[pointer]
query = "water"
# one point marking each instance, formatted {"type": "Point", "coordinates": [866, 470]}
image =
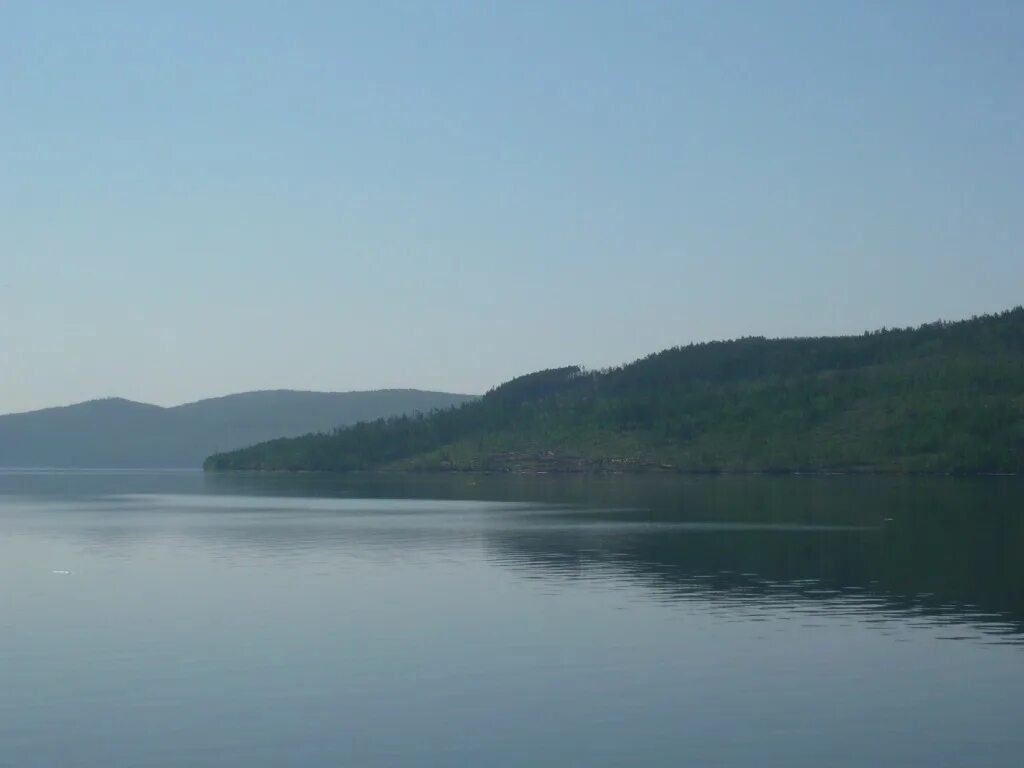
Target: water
{"type": "Point", "coordinates": [172, 619]}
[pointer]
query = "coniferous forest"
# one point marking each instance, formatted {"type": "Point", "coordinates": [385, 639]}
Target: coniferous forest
{"type": "Point", "coordinates": [946, 397]}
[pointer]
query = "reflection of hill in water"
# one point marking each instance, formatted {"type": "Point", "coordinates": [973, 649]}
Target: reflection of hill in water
{"type": "Point", "coordinates": [841, 571]}
{"type": "Point", "coordinates": [943, 548]}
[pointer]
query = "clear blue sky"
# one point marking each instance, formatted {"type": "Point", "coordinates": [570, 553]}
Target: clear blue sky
{"type": "Point", "coordinates": [198, 198]}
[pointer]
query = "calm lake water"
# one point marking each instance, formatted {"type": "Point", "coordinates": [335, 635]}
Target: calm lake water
{"type": "Point", "coordinates": [175, 619]}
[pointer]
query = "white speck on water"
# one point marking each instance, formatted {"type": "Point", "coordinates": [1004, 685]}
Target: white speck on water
{"type": "Point", "coordinates": [62, 573]}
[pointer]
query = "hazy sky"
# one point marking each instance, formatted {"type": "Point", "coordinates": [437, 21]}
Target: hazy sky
{"type": "Point", "coordinates": [204, 197]}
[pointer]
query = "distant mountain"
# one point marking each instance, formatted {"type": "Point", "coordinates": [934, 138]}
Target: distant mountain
{"type": "Point", "coordinates": [120, 433]}
{"type": "Point", "coordinates": [944, 397]}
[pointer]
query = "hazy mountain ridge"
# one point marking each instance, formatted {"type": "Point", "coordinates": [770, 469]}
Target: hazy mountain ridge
{"type": "Point", "coordinates": [942, 397]}
{"type": "Point", "coordinates": [115, 432]}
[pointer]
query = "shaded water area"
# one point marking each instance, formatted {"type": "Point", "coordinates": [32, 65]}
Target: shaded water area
{"type": "Point", "coordinates": [182, 619]}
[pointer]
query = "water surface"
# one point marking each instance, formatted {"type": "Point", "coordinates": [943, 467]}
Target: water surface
{"type": "Point", "coordinates": [177, 619]}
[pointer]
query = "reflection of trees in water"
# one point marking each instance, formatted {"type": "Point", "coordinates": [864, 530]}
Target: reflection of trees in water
{"type": "Point", "coordinates": [947, 549]}
{"type": "Point", "coordinates": [935, 546]}
{"type": "Point", "coordinates": [863, 571]}
{"type": "Point", "coordinates": [942, 547]}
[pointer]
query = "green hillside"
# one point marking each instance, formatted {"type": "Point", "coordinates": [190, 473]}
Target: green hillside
{"type": "Point", "coordinates": [944, 397]}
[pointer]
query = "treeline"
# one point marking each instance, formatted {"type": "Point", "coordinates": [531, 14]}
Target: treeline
{"type": "Point", "coordinates": [944, 397]}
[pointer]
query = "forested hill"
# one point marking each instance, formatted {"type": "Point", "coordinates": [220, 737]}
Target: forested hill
{"type": "Point", "coordinates": [944, 397]}
{"type": "Point", "coordinates": [114, 432]}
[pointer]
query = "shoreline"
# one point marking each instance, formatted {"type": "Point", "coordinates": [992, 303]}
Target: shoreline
{"type": "Point", "coordinates": [658, 472]}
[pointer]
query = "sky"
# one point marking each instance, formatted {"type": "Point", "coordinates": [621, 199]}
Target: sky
{"type": "Point", "coordinates": [199, 198]}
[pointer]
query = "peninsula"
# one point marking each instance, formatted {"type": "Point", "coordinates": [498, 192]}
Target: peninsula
{"type": "Point", "coordinates": [945, 397]}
